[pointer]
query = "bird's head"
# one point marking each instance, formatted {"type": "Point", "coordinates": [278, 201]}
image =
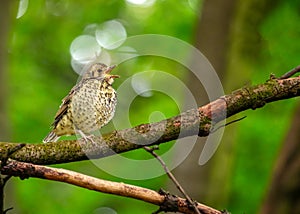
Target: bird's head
{"type": "Point", "coordinates": [100, 70]}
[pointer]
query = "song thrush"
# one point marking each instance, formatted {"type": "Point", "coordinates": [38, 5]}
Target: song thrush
{"type": "Point", "coordinates": [89, 105]}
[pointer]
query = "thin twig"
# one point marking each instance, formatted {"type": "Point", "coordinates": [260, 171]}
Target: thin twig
{"type": "Point", "coordinates": [8, 209]}
{"type": "Point", "coordinates": [3, 181]}
{"type": "Point", "coordinates": [290, 73]}
{"type": "Point", "coordinates": [6, 153]}
{"type": "Point", "coordinates": [171, 176]}
{"type": "Point", "coordinates": [231, 122]}
{"type": "Point", "coordinates": [2, 196]}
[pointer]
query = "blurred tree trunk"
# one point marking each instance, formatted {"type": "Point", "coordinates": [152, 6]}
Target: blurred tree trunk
{"type": "Point", "coordinates": [212, 39]}
{"type": "Point", "coordinates": [5, 22]}
{"type": "Point", "coordinates": [227, 33]}
{"type": "Point", "coordinates": [213, 32]}
{"type": "Point", "coordinates": [284, 191]}
{"type": "Point", "coordinates": [4, 32]}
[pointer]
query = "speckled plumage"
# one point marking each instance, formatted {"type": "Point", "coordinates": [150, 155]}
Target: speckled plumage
{"type": "Point", "coordinates": [90, 104]}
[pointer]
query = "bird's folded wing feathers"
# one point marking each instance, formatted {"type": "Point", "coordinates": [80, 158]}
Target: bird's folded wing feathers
{"type": "Point", "coordinates": [63, 108]}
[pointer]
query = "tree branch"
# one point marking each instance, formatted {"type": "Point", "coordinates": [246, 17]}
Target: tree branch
{"type": "Point", "coordinates": [195, 121]}
{"type": "Point", "coordinates": [172, 177]}
{"type": "Point", "coordinates": [201, 121]}
{"type": "Point", "coordinates": [165, 201]}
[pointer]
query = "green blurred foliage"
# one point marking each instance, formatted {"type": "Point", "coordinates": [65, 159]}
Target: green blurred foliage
{"type": "Point", "coordinates": [40, 76]}
{"type": "Point", "coordinates": [259, 137]}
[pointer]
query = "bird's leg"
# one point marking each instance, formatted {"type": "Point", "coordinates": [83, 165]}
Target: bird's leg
{"type": "Point", "coordinates": [87, 137]}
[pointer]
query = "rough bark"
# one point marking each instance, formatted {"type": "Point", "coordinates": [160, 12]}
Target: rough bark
{"type": "Point", "coordinates": [193, 122]}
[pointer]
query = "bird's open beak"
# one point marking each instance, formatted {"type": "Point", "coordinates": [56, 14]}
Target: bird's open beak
{"type": "Point", "coordinates": [109, 70]}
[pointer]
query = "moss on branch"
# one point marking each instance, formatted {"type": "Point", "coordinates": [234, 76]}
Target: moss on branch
{"type": "Point", "coordinates": [193, 122]}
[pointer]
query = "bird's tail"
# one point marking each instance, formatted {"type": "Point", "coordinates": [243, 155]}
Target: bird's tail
{"type": "Point", "coordinates": [51, 137]}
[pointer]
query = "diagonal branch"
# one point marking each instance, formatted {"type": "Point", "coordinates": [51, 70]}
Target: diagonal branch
{"type": "Point", "coordinates": [172, 177]}
{"type": "Point", "coordinates": [193, 122]}
{"type": "Point", "coordinates": [165, 201]}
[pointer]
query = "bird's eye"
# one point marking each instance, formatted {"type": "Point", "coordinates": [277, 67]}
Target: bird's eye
{"type": "Point", "coordinates": [99, 70]}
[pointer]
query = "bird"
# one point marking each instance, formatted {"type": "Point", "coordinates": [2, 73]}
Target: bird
{"type": "Point", "coordinates": [90, 104]}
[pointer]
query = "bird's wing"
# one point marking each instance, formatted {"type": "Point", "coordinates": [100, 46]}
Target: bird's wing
{"type": "Point", "coordinates": [63, 108]}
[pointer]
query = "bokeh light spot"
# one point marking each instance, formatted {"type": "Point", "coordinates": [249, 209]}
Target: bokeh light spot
{"type": "Point", "coordinates": [111, 34]}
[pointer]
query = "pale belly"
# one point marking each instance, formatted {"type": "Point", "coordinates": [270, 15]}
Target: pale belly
{"type": "Point", "coordinates": [93, 107]}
